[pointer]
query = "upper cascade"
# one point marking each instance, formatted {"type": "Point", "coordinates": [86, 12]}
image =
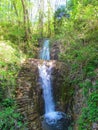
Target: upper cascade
{"type": "Point", "coordinates": [45, 52]}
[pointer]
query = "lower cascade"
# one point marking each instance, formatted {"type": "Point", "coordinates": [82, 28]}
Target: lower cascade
{"type": "Point", "coordinates": [52, 119]}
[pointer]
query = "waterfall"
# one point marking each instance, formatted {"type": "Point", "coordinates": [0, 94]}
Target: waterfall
{"type": "Point", "coordinates": [45, 52]}
{"type": "Point", "coordinates": [45, 75]}
{"type": "Point", "coordinates": [53, 120]}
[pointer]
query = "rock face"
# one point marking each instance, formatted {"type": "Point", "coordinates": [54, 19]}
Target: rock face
{"type": "Point", "coordinates": [54, 51]}
{"type": "Point", "coordinates": [58, 77]}
{"type": "Point", "coordinates": [29, 93]}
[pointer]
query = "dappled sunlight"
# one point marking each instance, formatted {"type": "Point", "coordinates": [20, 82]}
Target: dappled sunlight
{"type": "Point", "coordinates": [6, 52]}
{"type": "Point", "coordinates": [9, 54]}
{"type": "Point", "coordinates": [40, 85]}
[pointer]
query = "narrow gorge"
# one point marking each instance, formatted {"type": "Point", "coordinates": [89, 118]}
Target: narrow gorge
{"type": "Point", "coordinates": [53, 120]}
{"type": "Point", "coordinates": [46, 98]}
{"type": "Point", "coordinates": [48, 64]}
{"type": "Point", "coordinates": [38, 92]}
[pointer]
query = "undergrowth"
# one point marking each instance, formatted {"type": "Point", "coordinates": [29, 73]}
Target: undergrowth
{"type": "Point", "coordinates": [10, 63]}
{"type": "Point", "coordinates": [79, 38]}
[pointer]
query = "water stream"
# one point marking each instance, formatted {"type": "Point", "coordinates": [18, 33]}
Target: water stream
{"type": "Point", "coordinates": [53, 120]}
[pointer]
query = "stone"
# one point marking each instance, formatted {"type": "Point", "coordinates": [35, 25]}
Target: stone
{"type": "Point", "coordinates": [29, 92]}
{"type": "Point", "coordinates": [54, 51]}
{"type": "Point", "coordinates": [95, 126]}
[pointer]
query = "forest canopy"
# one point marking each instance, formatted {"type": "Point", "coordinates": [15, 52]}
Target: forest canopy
{"type": "Point", "coordinates": [73, 24]}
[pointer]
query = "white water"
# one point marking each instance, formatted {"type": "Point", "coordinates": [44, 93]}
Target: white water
{"type": "Point", "coordinates": [53, 120]}
{"type": "Point", "coordinates": [45, 76]}
{"type": "Point", "coordinates": [45, 52]}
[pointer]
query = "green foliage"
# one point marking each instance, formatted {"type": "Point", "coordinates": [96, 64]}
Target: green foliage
{"type": "Point", "coordinates": [15, 25]}
{"type": "Point", "coordinates": [11, 57]}
{"type": "Point", "coordinates": [11, 11]}
{"type": "Point", "coordinates": [13, 32]}
{"type": "Point", "coordinates": [14, 35]}
{"type": "Point", "coordinates": [90, 113]}
{"type": "Point", "coordinates": [79, 38]}
{"type": "Point", "coordinates": [9, 117]}
{"type": "Point", "coordinates": [8, 102]}
{"type": "Point", "coordinates": [60, 12]}
{"type": "Point", "coordinates": [10, 60]}
{"type": "Point", "coordinates": [79, 49]}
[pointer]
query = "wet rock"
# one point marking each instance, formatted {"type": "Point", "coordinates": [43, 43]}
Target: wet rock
{"type": "Point", "coordinates": [29, 93]}
{"type": "Point", "coordinates": [95, 126]}
{"type": "Point", "coordinates": [55, 50]}
{"type": "Point", "coordinates": [55, 121]}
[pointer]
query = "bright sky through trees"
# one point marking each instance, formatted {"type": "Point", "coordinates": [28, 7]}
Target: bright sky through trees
{"type": "Point", "coordinates": [35, 5]}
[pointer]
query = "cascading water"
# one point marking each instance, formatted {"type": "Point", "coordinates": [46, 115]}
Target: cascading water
{"type": "Point", "coordinates": [45, 74]}
{"type": "Point", "coordinates": [53, 120]}
{"type": "Point", "coordinates": [45, 52]}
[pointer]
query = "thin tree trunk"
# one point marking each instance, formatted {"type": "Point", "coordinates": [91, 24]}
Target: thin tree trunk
{"type": "Point", "coordinates": [16, 11]}
{"type": "Point", "coordinates": [41, 13]}
{"type": "Point", "coordinates": [26, 20]}
{"type": "Point", "coordinates": [49, 18]}
{"type": "Point", "coordinates": [14, 5]}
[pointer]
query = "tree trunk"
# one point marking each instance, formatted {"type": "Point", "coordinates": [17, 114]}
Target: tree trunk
{"type": "Point", "coordinates": [16, 11]}
{"type": "Point", "coordinates": [26, 20]}
{"type": "Point", "coordinates": [41, 16]}
{"type": "Point", "coordinates": [14, 5]}
{"type": "Point", "coordinates": [49, 17]}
